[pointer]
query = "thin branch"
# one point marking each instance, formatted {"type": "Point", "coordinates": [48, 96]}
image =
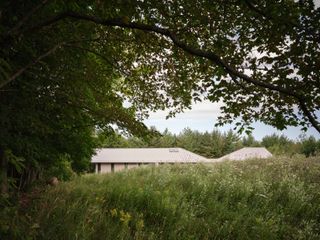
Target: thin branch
{"type": "Point", "coordinates": [257, 68]}
{"type": "Point", "coordinates": [39, 58]}
{"type": "Point", "coordinates": [34, 61]}
{"type": "Point", "coordinates": [114, 64]}
{"type": "Point", "coordinates": [241, 85]}
{"type": "Point", "coordinates": [9, 90]}
{"type": "Point", "coordinates": [255, 9]}
{"type": "Point", "coordinates": [26, 18]}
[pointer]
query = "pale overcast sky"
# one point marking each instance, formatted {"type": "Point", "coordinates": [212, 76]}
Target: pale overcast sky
{"type": "Point", "coordinates": [204, 115]}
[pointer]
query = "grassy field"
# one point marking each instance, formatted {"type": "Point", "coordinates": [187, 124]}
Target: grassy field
{"type": "Point", "coordinates": [277, 198]}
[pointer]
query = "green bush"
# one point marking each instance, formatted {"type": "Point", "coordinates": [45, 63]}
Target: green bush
{"type": "Point", "coordinates": [310, 146]}
{"type": "Point", "coordinates": [61, 168]}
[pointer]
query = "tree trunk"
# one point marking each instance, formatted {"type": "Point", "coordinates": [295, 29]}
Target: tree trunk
{"type": "Point", "coordinates": [3, 172]}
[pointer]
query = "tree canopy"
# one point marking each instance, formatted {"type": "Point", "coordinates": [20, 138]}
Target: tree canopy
{"type": "Point", "coordinates": [260, 58]}
{"type": "Point", "coordinates": [214, 144]}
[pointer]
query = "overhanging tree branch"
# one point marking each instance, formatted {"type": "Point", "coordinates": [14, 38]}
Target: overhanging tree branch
{"type": "Point", "coordinates": [213, 57]}
{"type": "Point", "coordinates": [122, 22]}
{"type": "Point", "coordinates": [308, 114]}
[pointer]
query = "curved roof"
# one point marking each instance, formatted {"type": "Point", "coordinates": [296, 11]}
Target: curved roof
{"type": "Point", "coordinates": [247, 153]}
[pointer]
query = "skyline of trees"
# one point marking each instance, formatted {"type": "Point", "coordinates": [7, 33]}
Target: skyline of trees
{"type": "Point", "coordinates": [215, 143]}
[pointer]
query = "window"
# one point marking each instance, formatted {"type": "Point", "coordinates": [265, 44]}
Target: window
{"type": "Point", "coordinates": [173, 150]}
{"type": "Point", "coordinates": [112, 167]}
{"type": "Point", "coordinates": [126, 165]}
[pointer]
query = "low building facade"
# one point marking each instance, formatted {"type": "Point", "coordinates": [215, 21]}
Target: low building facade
{"type": "Point", "coordinates": [109, 160]}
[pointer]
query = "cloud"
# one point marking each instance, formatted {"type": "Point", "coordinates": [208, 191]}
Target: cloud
{"type": "Point", "coordinates": [203, 116]}
{"type": "Point", "coordinates": [200, 110]}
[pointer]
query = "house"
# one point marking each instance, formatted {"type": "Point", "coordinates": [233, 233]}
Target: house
{"type": "Point", "coordinates": [116, 159]}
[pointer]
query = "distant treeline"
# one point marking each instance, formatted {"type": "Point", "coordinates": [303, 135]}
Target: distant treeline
{"type": "Point", "coordinates": [215, 143]}
{"type": "Point", "coordinates": [25, 168]}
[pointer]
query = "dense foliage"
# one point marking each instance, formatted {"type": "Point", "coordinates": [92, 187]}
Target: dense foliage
{"type": "Point", "coordinates": [260, 58]}
{"type": "Point", "coordinates": [215, 144]}
{"type": "Point", "coordinates": [49, 114]}
{"type": "Point", "coordinates": [209, 144]}
{"type": "Point", "coordinates": [258, 199]}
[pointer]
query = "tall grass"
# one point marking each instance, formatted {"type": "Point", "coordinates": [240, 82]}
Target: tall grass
{"type": "Point", "coordinates": [257, 199]}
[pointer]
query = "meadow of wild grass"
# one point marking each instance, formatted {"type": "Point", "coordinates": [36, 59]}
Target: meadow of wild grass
{"type": "Point", "coordinates": [278, 198]}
